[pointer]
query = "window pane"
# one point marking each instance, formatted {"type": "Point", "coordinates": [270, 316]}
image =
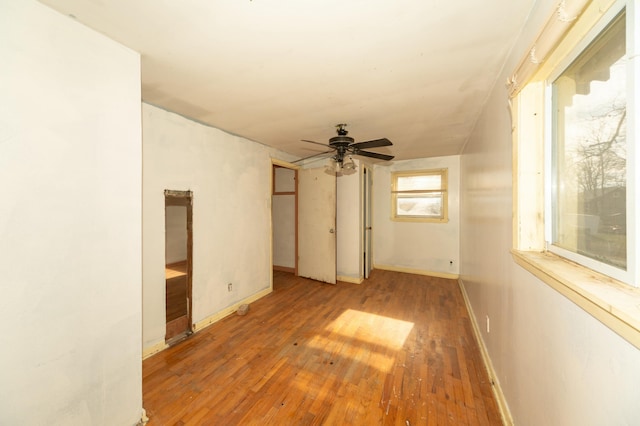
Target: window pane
{"type": "Point", "coordinates": [420, 182]}
{"type": "Point", "coordinates": [422, 205]}
{"type": "Point", "coordinates": [590, 151]}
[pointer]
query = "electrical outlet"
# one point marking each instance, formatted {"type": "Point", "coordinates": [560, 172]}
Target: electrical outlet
{"type": "Point", "coordinates": [230, 287]}
{"type": "Point", "coordinates": [488, 325]}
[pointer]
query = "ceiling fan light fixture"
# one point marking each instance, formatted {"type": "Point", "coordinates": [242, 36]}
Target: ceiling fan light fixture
{"type": "Point", "coordinates": [334, 166]}
{"type": "Point", "coordinates": [349, 166]}
{"type": "Point", "coordinates": [344, 148]}
{"type": "Point", "coordinates": [337, 165]}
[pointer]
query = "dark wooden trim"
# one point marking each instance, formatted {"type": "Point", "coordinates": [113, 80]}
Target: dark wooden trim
{"type": "Point", "coordinates": [190, 266]}
{"type": "Point", "coordinates": [273, 179]}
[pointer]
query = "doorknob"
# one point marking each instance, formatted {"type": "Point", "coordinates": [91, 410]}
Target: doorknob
{"type": "Point", "coordinates": [331, 231]}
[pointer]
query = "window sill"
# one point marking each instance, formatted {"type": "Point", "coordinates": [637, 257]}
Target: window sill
{"type": "Point", "coordinates": [418, 219]}
{"type": "Point", "coordinates": [613, 303]}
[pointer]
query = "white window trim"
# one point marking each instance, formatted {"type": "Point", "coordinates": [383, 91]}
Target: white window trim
{"type": "Point", "coordinates": [614, 303]}
{"type": "Point", "coordinates": [443, 189]}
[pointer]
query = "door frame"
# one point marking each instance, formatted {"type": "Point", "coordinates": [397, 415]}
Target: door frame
{"type": "Point", "coordinates": [184, 198]}
{"type": "Point", "coordinates": [285, 165]}
{"type": "Point", "coordinates": [367, 220]}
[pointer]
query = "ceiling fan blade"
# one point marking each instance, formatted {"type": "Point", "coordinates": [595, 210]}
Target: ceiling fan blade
{"type": "Point", "coordinates": [372, 144]}
{"type": "Point", "coordinates": [318, 158]}
{"type": "Point", "coordinates": [320, 154]}
{"type": "Point", "coordinates": [317, 143]}
{"type": "Point", "coordinates": [374, 155]}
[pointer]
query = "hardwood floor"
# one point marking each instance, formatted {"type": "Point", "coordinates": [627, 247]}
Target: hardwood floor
{"type": "Point", "coordinates": [176, 298]}
{"type": "Point", "coordinates": [176, 290]}
{"type": "Point", "coordinates": [395, 350]}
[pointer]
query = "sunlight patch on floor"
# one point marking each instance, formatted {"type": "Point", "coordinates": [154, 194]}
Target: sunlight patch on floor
{"type": "Point", "coordinates": [363, 337]}
{"type": "Point", "coordinates": [372, 328]}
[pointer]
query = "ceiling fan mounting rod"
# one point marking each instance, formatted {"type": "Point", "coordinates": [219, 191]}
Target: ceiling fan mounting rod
{"type": "Point", "coordinates": [341, 129]}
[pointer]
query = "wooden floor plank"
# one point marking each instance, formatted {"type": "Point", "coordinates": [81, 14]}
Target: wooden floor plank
{"type": "Point", "coordinates": [394, 350]}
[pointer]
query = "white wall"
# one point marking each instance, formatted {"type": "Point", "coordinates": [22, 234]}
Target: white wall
{"type": "Point", "coordinates": [231, 182]}
{"type": "Point", "coordinates": [70, 231]}
{"type": "Point", "coordinates": [555, 363]}
{"type": "Point", "coordinates": [175, 234]}
{"type": "Point", "coordinates": [416, 246]}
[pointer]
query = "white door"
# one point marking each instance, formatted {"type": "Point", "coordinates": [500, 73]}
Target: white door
{"type": "Point", "coordinates": [317, 225]}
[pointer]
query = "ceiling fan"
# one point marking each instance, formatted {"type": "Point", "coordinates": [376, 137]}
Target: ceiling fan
{"type": "Point", "coordinates": [344, 145]}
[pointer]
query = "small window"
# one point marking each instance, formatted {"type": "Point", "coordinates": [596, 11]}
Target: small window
{"type": "Point", "coordinates": [420, 196]}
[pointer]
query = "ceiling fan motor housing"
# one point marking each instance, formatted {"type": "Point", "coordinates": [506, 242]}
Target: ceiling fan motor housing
{"type": "Point", "coordinates": [341, 141]}
{"type": "Point", "coordinates": [341, 144]}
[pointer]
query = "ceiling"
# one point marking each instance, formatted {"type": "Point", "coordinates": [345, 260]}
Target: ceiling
{"type": "Point", "coordinates": [276, 71]}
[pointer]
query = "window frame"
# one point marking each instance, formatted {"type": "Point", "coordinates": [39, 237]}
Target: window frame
{"type": "Point", "coordinates": [624, 275]}
{"type": "Point", "coordinates": [610, 301]}
{"type": "Point", "coordinates": [443, 190]}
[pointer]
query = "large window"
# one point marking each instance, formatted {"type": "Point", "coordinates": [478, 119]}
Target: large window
{"type": "Point", "coordinates": [420, 196]}
{"type": "Point", "coordinates": [589, 151]}
{"type": "Point", "coordinates": [576, 187]}
{"type": "Point", "coordinates": [588, 187]}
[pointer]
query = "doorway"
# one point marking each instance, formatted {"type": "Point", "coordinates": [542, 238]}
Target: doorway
{"type": "Point", "coordinates": [284, 218]}
{"type": "Point", "coordinates": [304, 238]}
{"type": "Point", "coordinates": [178, 264]}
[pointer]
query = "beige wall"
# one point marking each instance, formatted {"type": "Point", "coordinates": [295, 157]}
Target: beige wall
{"type": "Point", "coordinates": [70, 243]}
{"type": "Point", "coordinates": [555, 363]}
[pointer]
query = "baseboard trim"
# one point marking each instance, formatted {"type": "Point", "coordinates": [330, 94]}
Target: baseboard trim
{"type": "Point", "coordinates": [159, 347]}
{"type": "Point", "coordinates": [284, 269]}
{"type": "Point", "coordinates": [152, 350]}
{"type": "Point", "coordinates": [497, 389]}
{"type": "Point", "coordinates": [229, 310]}
{"type": "Point", "coordinates": [144, 419]}
{"type": "Point", "coordinates": [417, 271]}
{"type": "Point", "coordinates": [348, 279]}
